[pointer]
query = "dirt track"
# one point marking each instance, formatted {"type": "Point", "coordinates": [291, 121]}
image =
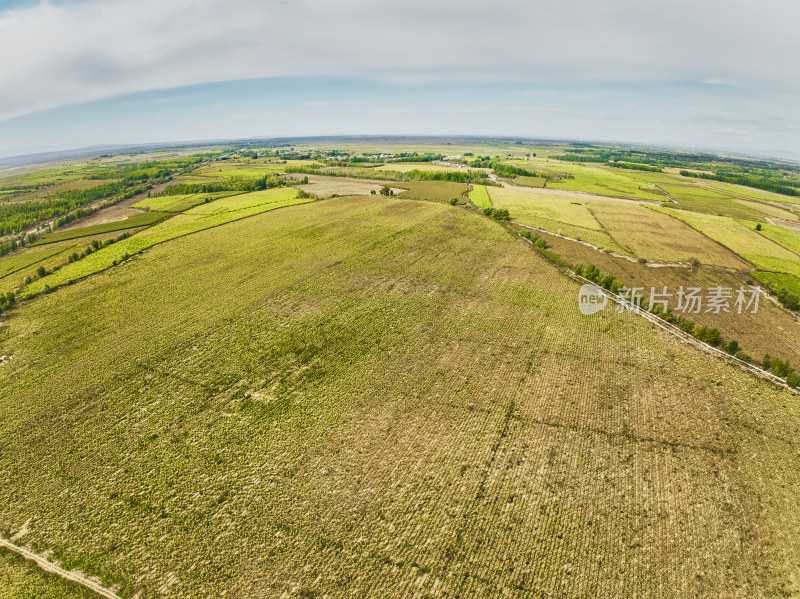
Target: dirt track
{"type": "Point", "coordinates": [52, 568]}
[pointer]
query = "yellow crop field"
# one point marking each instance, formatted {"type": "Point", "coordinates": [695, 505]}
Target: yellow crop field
{"type": "Point", "coordinates": [557, 214]}
{"type": "Point", "coordinates": [657, 236]}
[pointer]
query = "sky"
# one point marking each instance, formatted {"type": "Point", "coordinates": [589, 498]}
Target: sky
{"type": "Point", "coordinates": [713, 74]}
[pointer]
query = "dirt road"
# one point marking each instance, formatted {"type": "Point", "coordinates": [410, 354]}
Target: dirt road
{"type": "Point", "coordinates": [54, 569]}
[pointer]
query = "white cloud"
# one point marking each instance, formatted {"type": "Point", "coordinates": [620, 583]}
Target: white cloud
{"type": "Point", "coordinates": [77, 52]}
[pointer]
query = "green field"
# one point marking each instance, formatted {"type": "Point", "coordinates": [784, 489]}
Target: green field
{"type": "Point", "coordinates": [788, 281]}
{"type": "Point", "coordinates": [440, 191]}
{"type": "Point", "coordinates": [144, 219]}
{"type": "Point", "coordinates": [480, 197]}
{"type": "Point", "coordinates": [178, 203]}
{"type": "Point", "coordinates": [558, 214]}
{"type": "Point", "coordinates": [26, 257]}
{"type": "Point", "coordinates": [201, 217]}
{"type": "Point", "coordinates": [708, 201]}
{"type": "Point", "coordinates": [770, 210]}
{"type": "Point", "coordinates": [14, 268]}
{"type": "Point", "coordinates": [248, 171]}
{"type": "Point", "coordinates": [372, 397]}
{"type": "Point", "coordinates": [749, 192]}
{"type": "Point", "coordinates": [602, 181]}
{"type": "Point", "coordinates": [529, 181]}
{"type": "Point", "coordinates": [398, 396]}
{"type": "Point", "coordinates": [742, 240]}
{"type": "Point", "coordinates": [788, 239]}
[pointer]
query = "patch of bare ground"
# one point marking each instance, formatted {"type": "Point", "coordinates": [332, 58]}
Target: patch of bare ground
{"type": "Point", "coordinates": [325, 186]}
{"type": "Point", "coordinates": [117, 212]}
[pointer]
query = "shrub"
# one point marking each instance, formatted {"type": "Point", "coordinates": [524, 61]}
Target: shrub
{"type": "Point", "coordinates": [713, 337]}
{"type": "Point", "coordinates": [591, 272]}
{"type": "Point", "coordinates": [780, 367]}
{"type": "Point", "coordinates": [793, 379]}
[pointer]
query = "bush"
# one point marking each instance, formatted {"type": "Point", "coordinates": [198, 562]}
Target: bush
{"type": "Point", "coordinates": [732, 347]}
{"type": "Point", "coordinates": [41, 272]}
{"type": "Point", "coordinates": [591, 273]}
{"type": "Point", "coordinates": [605, 280]}
{"type": "Point", "coordinates": [793, 379]}
{"type": "Point", "coordinates": [780, 367]}
{"type": "Point", "coordinates": [497, 213]}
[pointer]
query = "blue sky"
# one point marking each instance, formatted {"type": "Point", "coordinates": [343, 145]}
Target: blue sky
{"type": "Point", "coordinates": [121, 71]}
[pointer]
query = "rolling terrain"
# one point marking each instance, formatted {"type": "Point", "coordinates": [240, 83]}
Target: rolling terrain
{"type": "Point", "coordinates": [292, 373]}
{"type": "Point", "coordinates": [376, 396]}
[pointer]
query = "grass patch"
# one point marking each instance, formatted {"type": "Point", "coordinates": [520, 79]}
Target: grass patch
{"type": "Point", "coordinates": [788, 239]}
{"type": "Point", "coordinates": [480, 197]}
{"type": "Point", "coordinates": [742, 240]}
{"type": "Point", "coordinates": [201, 217]}
{"type": "Point", "coordinates": [180, 203]}
{"type": "Point", "coordinates": [440, 191]}
{"type": "Point", "coordinates": [144, 219]}
{"type": "Point", "coordinates": [708, 201]}
{"type": "Point", "coordinates": [790, 282]}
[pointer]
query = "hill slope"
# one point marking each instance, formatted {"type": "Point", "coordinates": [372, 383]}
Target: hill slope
{"type": "Point", "coordinates": [374, 397]}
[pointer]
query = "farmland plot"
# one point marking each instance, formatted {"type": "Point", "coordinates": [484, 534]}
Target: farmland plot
{"type": "Point", "coordinates": [326, 186]}
{"type": "Point", "coordinates": [656, 236]}
{"type": "Point", "coordinates": [179, 203]}
{"type": "Point", "coordinates": [480, 197]}
{"type": "Point", "coordinates": [561, 215]}
{"type": "Point", "coordinates": [204, 216]}
{"type": "Point", "coordinates": [372, 397]}
{"type": "Point", "coordinates": [601, 181]}
{"type": "Point", "coordinates": [741, 239]}
{"type": "Point", "coordinates": [15, 267]}
{"type": "Point", "coordinates": [772, 330]}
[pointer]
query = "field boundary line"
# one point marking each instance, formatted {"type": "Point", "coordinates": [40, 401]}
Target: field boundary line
{"type": "Point", "coordinates": [652, 263]}
{"type": "Point", "coordinates": [49, 566]}
{"type": "Point", "coordinates": [676, 332]}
